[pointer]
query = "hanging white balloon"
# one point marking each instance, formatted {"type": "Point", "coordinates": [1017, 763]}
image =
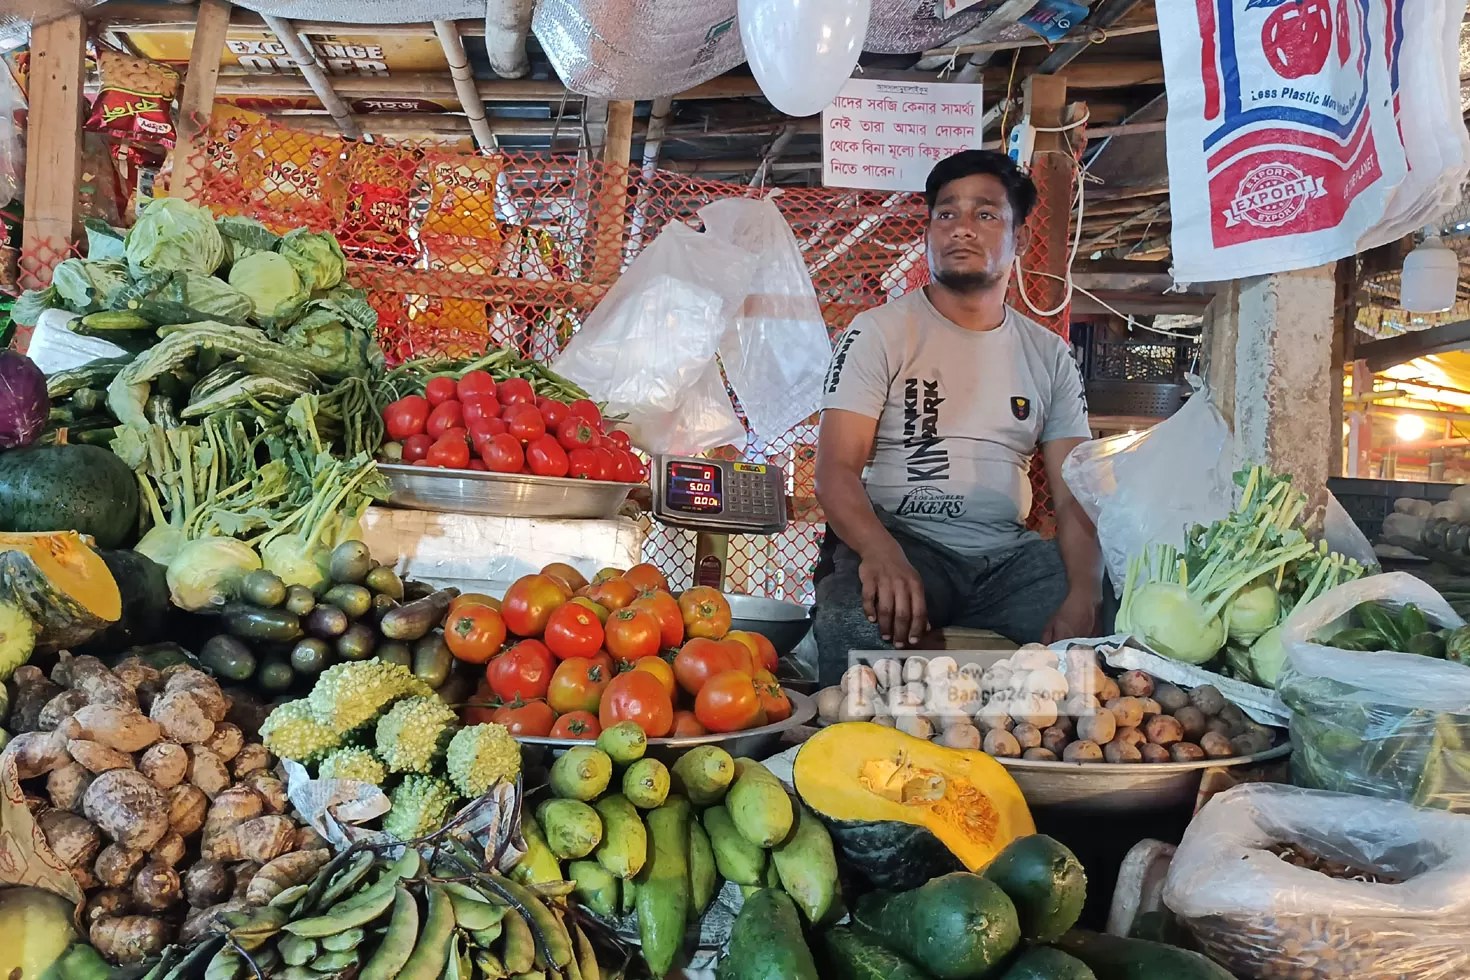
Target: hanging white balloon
{"type": "Point", "coordinates": [801, 51]}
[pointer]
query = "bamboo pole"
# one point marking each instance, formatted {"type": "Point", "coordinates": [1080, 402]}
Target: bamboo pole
{"type": "Point", "coordinates": [315, 75]}
{"type": "Point", "coordinates": [464, 84]}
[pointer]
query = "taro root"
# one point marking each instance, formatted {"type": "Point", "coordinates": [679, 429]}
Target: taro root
{"type": "Point", "coordinates": [37, 753]}
{"type": "Point", "coordinates": [59, 709]}
{"type": "Point", "coordinates": [156, 886]}
{"type": "Point", "coordinates": [170, 850]}
{"type": "Point", "coordinates": [121, 728]}
{"type": "Point", "coordinates": [204, 688]}
{"type": "Point", "coordinates": [102, 686]}
{"type": "Point", "coordinates": [105, 902]}
{"type": "Point", "coordinates": [128, 808]}
{"type": "Point", "coordinates": [251, 757]}
{"type": "Point", "coordinates": [207, 771]}
{"type": "Point", "coordinates": [187, 806]}
{"type": "Point", "coordinates": [70, 837]}
{"type": "Point", "coordinates": [226, 741]}
{"type": "Point", "coordinates": [32, 693]}
{"type": "Point", "coordinates": [129, 938]}
{"type": "Point", "coordinates": [116, 865]}
{"type": "Point", "coordinates": [96, 757]}
{"type": "Point", "coordinates": [183, 716]}
{"type": "Point", "coordinates": [166, 763]}
{"type": "Point", "coordinates": [67, 785]}
{"type": "Point", "coordinates": [207, 883]}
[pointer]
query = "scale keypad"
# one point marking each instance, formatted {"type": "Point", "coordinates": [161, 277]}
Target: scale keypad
{"type": "Point", "coordinates": [753, 494]}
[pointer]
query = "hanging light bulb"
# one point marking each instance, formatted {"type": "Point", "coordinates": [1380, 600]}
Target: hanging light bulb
{"type": "Point", "coordinates": [1409, 427]}
{"type": "Point", "coordinates": [1430, 277]}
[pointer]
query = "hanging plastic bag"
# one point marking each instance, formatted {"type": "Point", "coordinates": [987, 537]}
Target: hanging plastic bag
{"type": "Point", "coordinates": [777, 356]}
{"type": "Point", "coordinates": [1146, 488]}
{"type": "Point", "coordinates": [1343, 535]}
{"type": "Point", "coordinates": [649, 347]}
{"type": "Point", "coordinates": [1259, 914]}
{"type": "Point", "coordinates": [1392, 725]}
{"type": "Point", "coordinates": [12, 152]}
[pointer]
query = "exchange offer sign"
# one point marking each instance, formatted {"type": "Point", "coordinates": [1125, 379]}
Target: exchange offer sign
{"type": "Point", "coordinates": [887, 135]}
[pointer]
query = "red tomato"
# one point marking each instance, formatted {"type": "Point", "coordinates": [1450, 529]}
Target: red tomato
{"type": "Point", "coordinates": [1297, 37]}
{"type": "Point", "coordinates": [660, 668]}
{"type": "Point", "coordinates": [699, 660]}
{"type": "Point", "coordinates": [524, 671]}
{"type": "Point", "coordinates": [446, 415]}
{"type": "Point", "coordinates": [479, 408]}
{"type": "Point", "coordinates": [686, 725]}
{"type": "Point", "coordinates": [529, 603]}
{"type": "Point", "coordinates": [581, 464]}
{"type": "Point", "coordinates": [449, 452]}
{"type": "Point", "coordinates": [632, 634]}
{"type": "Point", "coordinates": [612, 593]}
{"type": "Point", "coordinates": [625, 466]}
{"type": "Point", "coordinates": [474, 632]}
{"type": "Point", "coordinates": [575, 433]}
{"type": "Point", "coordinates": [637, 696]}
{"type": "Point", "coordinates": [534, 718]}
{"type": "Point", "coordinates": [421, 462]}
{"type": "Point", "coordinates": [524, 422]}
{"type": "Point", "coordinates": [515, 391]}
{"type": "Point", "coordinates": [740, 656]}
{"type": "Point", "coordinates": [477, 464]}
{"type": "Point", "coordinates": [456, 432]}
{"type": "Point", "coordinates": [439, 390]}
{"type": "Point", "coordinates": [645, 577]}
{"type": "Point", "coordinates": [545, 457]}
{"type": "Point", "coordinates": [554, 411]}
{"type": "Point", "coordinates": [774, 702]}
{"type": "Point", "coordinates": [607, 463]}
{"type": "Point", "coordinates": [576, 724]}
{"type": "Point", "coordinates": [503, 454]}
{"type": "Point", "coordinates": [662, 607]}
{"type": "Point", "coordinates": [586, 409]}
{"type": "Point", "coordinates": [604, 660]}
{"type": "Point", "coordinates": [416, 446]}
{"type": "Point", "coordinates": [706, 612]}
{"type": "Point", "coordinates": [577, 685]}
{"type": "Point", "coordinates": [475, 383]}
{"type": "Point", "coordinates": [642, 471]}
{"type": "Point", "coordinates": [573, 631]}
{"type": "Point", "coordinates": [620, 439]}
{"type": "Point", "coordinates": [406, 417]}
{"type": "Point", "coordinates": [727, 702]}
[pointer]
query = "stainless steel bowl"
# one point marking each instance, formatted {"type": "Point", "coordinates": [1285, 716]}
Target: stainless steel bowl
{"type": "Point", "coordinates": [502, 494]}
{"type": "Point", "coordinates": [1115, 787]}
{"type": "Point", "coordinates": [783, 623]}
{"type": "Point", "coordinates": [754, 743]}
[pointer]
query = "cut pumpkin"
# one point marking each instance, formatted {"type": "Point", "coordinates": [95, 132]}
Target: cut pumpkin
{"type": "Point", "coordinates": [62, 585]}
{"type": "Point", "coordinates": [901, 809]}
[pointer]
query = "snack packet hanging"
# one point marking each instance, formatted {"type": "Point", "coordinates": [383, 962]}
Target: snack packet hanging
{"type": "Point", "coordinates": [447, 326]}
{"type": "Point", "coordinates": [136, 99]}
{"type": "Point", "coordinates": [378, 212]}
{"type": "Point", "coordinates": [460, 231]}
{"type": "Point", "coordinates": [295, 178]}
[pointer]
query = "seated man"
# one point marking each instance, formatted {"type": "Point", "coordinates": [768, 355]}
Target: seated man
{"type": "Point", "coordinates": [943, 396]}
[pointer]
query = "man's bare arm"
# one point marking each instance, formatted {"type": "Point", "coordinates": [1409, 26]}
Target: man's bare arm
{"type": "Point", "coordinates": [1077, 541]}
{"type": "Point", "coordinates": [893, 593]}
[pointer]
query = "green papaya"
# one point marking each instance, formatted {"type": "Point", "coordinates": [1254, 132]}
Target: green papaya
{"type": "Point", "coordinates": [736, 858]}
{"type": "Point", "coordinates": [758, 804]}
{"type": "Point", "coordinates": [807, 866]}
{"type": "Point", "coordinates": [663, 896]}
{"type": "Point", "coordinates": [766, 942]}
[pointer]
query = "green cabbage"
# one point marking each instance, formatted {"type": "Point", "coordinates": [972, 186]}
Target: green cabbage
{"type": "Point", "coordinates": [271, 283]}
{"type": "Point", "coordinates": [206, 572]}
{"type": "Point", "coordinates": [215, 298]}
{"type": "Point", "coordinates": [245, 236]}
{"type": "Point", "coordinates": [316, 256]}
{"type": "Point", "coordinates": [30, 304]}
{"type": "Point", "coordinates": [109, 277]}
{"type": "Point", "coordinates": [74, 287]}
{"type": "Point", "coordinates": [174, 235]}
{"type": "Point", "coordinates": [103, 240]}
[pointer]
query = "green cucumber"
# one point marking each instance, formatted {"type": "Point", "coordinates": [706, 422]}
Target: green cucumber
{"type": "Point", "coordinates": [254, 623]}
{"type": "Point", "coordinates": [854, 957]}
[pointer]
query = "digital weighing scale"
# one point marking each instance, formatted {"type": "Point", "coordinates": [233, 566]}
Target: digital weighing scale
{"type": "Point", "coordinates": [717, 497]}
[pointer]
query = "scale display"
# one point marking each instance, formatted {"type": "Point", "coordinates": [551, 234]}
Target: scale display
{"type": "Point", "coordinates": [719, 496]}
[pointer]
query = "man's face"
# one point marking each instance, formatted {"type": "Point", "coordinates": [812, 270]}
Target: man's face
{"type": "Point", "coordinates": [971, 239]}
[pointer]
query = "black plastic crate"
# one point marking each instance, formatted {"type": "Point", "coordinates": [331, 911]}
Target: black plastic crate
{"type": "Point", "coordinates": [1368, 502]}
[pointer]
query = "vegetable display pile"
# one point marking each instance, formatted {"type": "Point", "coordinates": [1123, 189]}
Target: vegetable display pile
{"type": "Point", "coordinates": [487, 415]}
{"type": "Point", "coordinates": [1042, 707]}
{"type": "Point", "coordinates": [621, 648]}
{"type": "Point", "coordinates": [166, 812]}
{"type": "Point", "coordinates": [1235, 583]}
{"type": "Point", "coordinates": [1376, 627]}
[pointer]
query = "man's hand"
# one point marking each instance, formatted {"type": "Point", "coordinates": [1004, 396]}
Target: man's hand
{"type": "Point", "coordinates": [893, 595]}
{"type": "Point", "coordinates": [1076, 617]}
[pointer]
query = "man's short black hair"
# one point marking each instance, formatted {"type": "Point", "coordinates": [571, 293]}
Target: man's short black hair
{"type": "Point", "coordinates": [1020, 190]}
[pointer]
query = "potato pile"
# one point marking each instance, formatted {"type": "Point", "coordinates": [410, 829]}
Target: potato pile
{"type": "Point", "coordinates": [1039, 706]}
{"type": "Point", "coordinates": [164, 813]}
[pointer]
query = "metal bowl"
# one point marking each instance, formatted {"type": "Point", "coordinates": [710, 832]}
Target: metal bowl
{"type": "Point", "coordinates": [755, 743]}
{"type": "Point", "coordinates": [783, 623]}
{"type": "Point", "coordinates": [502, 494]}
{"type": "Point", "coordinates": [1121, 787]}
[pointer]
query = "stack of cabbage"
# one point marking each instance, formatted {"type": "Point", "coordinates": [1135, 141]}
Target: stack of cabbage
{"type": "Point", "coordinates": [1235, 583]}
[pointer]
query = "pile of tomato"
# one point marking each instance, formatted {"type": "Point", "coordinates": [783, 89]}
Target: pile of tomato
{"type": "Point", "coordinates": [477, 424]}
{"type": "Point", "coordinates": [567, 658]}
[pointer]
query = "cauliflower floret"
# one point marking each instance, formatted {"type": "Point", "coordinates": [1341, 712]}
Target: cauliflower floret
{"type": "Point", "coordinates": [351, 694]}
{"type": "Point", "coordinates": [414, 733]}
{"type": "Point", "coordinates": [291, 731]}
{"type": "Point", "coordinates": [352, 763]}
{"type": "Point", "coordinates": [481, 755]}
{"type": "Point", "coordinates": [421, 805]}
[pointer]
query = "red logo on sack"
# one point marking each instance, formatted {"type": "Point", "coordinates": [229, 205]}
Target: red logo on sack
{"type": "Point", "coordinates": [1271, 195]}
{"type": "Point", "coordinates": [1297, 37]}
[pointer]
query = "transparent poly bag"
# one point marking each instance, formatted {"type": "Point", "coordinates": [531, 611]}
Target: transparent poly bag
{"type": "Point", "coordinates": [777, 356]}
{"type": "Point", "coordinates": [1260, 915]}
{"type": "Point", "coordinates": [649, 347]}
{"type": "Point", "coordinates": [1392, 725]}
{"type": "Point", "coordinates": [1146, 488]}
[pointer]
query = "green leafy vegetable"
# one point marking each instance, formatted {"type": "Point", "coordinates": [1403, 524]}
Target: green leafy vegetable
{"type": "Point", "coordinates": [244, 236]}
{"type": "Point", "coordinates": [74, 287]}
{"type": "Point", "coordinates": [272, 284]}
{"type": "Point", "coordinates": [32, 303]}
{"type": "Point", "coordinates": [173, 235]}
{"type": "Point", "coordinates": [316, 257]}
{"type": "Point", "coordinates": [213, 298]}
{"type": "Point", "coordinates": [103, 240]}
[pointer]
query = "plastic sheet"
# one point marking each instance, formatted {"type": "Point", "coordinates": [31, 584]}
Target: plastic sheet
{"type": "Point", "coordinates": [1393, 725]}
{"type": "Point", "coordinates": [1148, 488]}
{"type": "Point", "coordinates": [1261, 916]}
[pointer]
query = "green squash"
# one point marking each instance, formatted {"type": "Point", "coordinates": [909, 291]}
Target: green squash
{"type": "Point", "coordinates": [957, 927]}
{"type": "Point", "coordinates": [61, 584]}
{"type": "Point", "coordinates": [1045, 963]}
{"type": "Point", "coordinates": [1045, 882]}
{"type": "Point", "coordinates": [143, 586]}
{"type": "Point", "coordinates": [69, 488]}
{"type": "Point", "coordinates": [1112, 958]}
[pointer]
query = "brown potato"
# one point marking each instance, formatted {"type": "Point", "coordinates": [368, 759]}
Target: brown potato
{"type": "Point", "coordinates": [1207, 698]}
{"type": "Point", "coordinates": [1136, 684]}
{"type": "Point", "coordinates": [1169, 696]}
{"type": "Point", "coordinates": [1001, 743]}
{"type": "Point", "coordinates": [1130, 736]}
{"type": "Point", "coordinates": [1116, 751]}
{"type": "Point", "coordinates": [1128, 711]}
{"type": "Point", "coordinates": [1078, 705]}
{"type": "Point", "coordinates": [1108, 690]}
{"type": "Point", "coordinates": [1251, 742]}
{"type": "Point", "coordinates": [1153, 753]}
{"type": "Point", "coordinates": [1150, 707]}
{"type": "Point", "coordinates": [1098, 727]}
{"type": "Point", "coordinates": [1163, 730]}
{"type": "Point", "coordinates": [1039, 755]}
{"type": "Point", "coordinates": [1055, 739]}
{"type": "Point", "coordinates": [1216, 745]}
{"type": "Point", "coordinates": [1192, 720]}
{"type": "Point", "coordinates": [1083, 750]}
{"type": "Point", "coordinates": [1218, 726]}
{"type": "Point", "coordinates": [1028, 735]}
{"type": "Point", "coordinates": [1235, 718]}
{"type": "Point", "coordinates": [1186, 752]}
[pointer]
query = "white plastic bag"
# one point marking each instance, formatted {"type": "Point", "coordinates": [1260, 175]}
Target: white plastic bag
{"type": "Point", "coordinates": [649, 347]}
{"type": "Point", "coordinates": [777, 356]}
{"type": "Point", "coordinates": [1343, 535]}
{"type": "Point", "coordinates": [1260, 916]}
{"type": "Point", "coordinates": [1147, 488]}
{"type": "Point", "coordinates": [1393, 725]}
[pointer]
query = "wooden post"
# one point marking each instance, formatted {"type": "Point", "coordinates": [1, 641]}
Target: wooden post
{"type": "Point", "coordinates": [53, 144]}
{"type": "Point", "coordinates": [612, 204]}
{"type": "Point", "coordinates": [1051, 167]}
{"type": "Point", "coordinates": [197, 101]}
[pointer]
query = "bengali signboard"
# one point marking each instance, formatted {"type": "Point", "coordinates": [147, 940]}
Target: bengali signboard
{"type": "Point", "coordinates": [883, 135]}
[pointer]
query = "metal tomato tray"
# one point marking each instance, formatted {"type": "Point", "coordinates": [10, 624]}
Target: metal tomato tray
{"type": "Point", "coordinates": [503, 494]}
{"type": "Point", "coordinates": [754, 743]}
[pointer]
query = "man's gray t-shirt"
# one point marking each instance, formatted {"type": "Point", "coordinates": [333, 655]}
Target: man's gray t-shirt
{"type": "Point", "coordinates": [960, 412]}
